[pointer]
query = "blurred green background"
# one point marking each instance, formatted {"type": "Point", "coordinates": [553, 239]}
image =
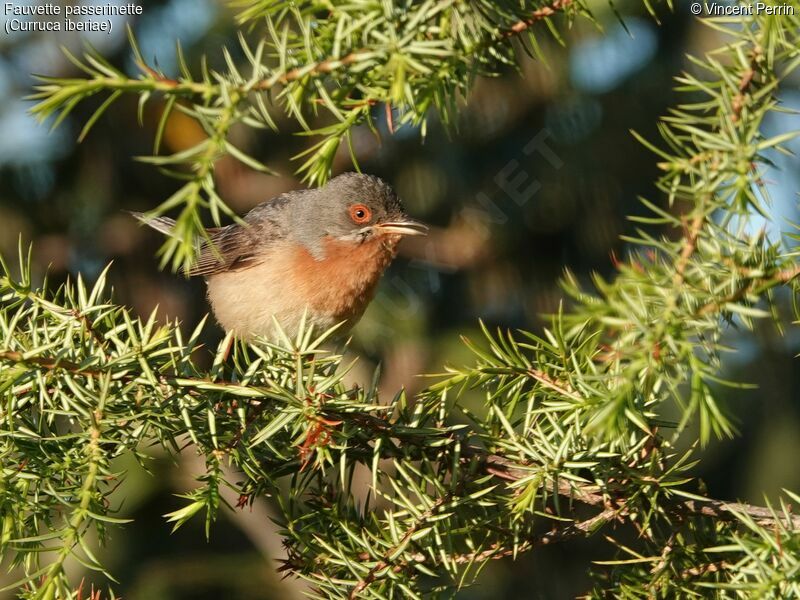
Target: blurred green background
{"type": "Point", "coordinates": [538, 178]}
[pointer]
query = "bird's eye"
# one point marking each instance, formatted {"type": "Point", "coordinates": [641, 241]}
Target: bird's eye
{"type": "Point", "coordinates": [360, 214]}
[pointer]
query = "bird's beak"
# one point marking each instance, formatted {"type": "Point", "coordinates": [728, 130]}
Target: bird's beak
{"type": "Point", "coordinates": [404, 227]}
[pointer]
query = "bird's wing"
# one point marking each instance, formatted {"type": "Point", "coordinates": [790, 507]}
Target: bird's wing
{"type": "Point", "coordinates": [226, 248]}
{"type": "Point", "coordinates": [241, 246]}
{"type": "Point", "coordinates": [163, 225]}
{"type": "Point", "coordinates": [230, 248]}
{"type": "Point", "coordinates": [233, 247]}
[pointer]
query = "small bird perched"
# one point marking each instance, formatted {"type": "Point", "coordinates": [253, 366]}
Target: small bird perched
{"type": "Point", "coordinates": [318, 252]}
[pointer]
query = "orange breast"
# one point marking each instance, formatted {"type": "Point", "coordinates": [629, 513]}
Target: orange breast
{"type": "Point", "coordinates": [344, 281]}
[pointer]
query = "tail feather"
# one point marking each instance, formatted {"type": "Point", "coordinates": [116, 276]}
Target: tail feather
{"type": "Point", "coordinates": [163, 224]}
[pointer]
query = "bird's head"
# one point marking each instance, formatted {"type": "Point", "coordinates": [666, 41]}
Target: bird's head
{"type": "Point", "coordinates": [355, 208]}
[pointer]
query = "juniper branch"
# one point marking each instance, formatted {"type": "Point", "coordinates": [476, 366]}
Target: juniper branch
{"type": "Point", "coordinates": [411, 59]}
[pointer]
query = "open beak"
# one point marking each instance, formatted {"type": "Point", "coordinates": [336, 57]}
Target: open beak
{"type": "Point", "coordinates": [404, 227]}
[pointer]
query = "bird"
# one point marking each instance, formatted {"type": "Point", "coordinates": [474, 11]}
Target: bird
{"type": "Point", "coordinates": [311, 256]}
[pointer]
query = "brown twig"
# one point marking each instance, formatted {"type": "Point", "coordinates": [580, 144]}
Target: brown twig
{"type": "Point", "coordinates": [555, 535]}
{"type": "Point", "coordinates": [323, 67]}
{"type": "Point", "coordinates": [156, 75]}
{"type": "Point", "coordinates": [783, 277]}
{"type": "Point", "coordinates": [47, 362]}
{"type": "Point", "coordinates": [386, 561]}
{"type": "Point", "coordinates": [591, 495]}
{"type": "Point", "coordinates": [538, 15]}
{"type": "Point", "coordinates": [549, 382]}
{"type": "Point", "coordinates": [494, 552]}
{"type": "Point", "coordinates": [692, 234]}
{"type": "Point", "coordinates": [329, 65]}
{"type": "Point", "coordinates": [744, 85]}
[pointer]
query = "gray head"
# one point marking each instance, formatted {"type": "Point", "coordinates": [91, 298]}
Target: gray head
{"type": "Point", "coordinates": [351, 208]}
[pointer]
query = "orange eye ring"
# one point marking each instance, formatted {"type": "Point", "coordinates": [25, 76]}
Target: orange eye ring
{"type": "Point", "coordinates": [360, 214]}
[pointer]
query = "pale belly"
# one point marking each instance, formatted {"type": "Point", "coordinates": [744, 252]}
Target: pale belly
{"type": "Point", "coordinates": [250, 304]}
{"type": "Point", "coordinates": [290, 287]}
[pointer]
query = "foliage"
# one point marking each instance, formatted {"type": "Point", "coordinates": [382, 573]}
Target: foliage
{"type": "Point", "coordinates": [333, 62]}
{"type": "Point", "coordinates": [583, 428]}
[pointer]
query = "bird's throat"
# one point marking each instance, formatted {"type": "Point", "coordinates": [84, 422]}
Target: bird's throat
{"type": "Point", "coordinates": [344, 281]}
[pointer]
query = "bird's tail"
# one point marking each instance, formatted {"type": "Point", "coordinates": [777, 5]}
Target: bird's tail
{"type": "Point", "coordinates": [163, 224]}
